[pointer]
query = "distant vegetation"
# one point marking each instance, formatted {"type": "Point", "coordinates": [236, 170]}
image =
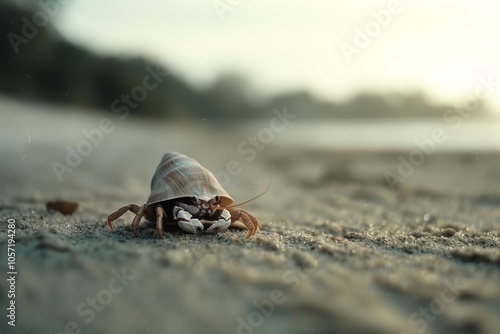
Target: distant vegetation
{"type": "Point", "coordinates": [48, 68]}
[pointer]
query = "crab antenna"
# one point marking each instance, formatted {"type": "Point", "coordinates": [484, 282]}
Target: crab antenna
{"type": "Point", "coordinates": [253, 198]}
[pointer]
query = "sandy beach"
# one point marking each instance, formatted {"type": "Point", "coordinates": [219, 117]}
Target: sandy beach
{"type": "Point", "coordinates": [340, 250]}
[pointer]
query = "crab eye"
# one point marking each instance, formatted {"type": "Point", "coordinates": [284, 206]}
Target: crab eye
{"type": "Point", "coordinates": [195, 200]}
{"type": "Point", "coordinates": [217, 199]}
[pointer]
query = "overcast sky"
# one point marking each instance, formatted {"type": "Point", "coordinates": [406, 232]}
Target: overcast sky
{"type": "Point", "coordinates": [440, 48]}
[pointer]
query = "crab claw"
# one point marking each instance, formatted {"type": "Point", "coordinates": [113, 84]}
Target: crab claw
{"type": "Point", "coordinates": [192, 226]}
{"type": "Point", "coordinates": [221, 224]}
{"type": "Point", "coordinates": [218, 226]}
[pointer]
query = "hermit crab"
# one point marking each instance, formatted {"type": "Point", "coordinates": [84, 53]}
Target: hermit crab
{"type": "Point", "coordinates": [185, 193]}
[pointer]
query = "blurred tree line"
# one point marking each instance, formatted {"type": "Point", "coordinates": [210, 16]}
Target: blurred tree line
{"type": "Point", "coordinates": [36, 63]}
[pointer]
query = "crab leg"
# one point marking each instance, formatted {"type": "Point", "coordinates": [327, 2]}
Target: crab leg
{"type": "Point", "coordinates": [118, 213]}
{"type": "Point", "coordinates": [160, 213]}
{"type": "Point", "coordinates": [185, 221]}
{"type": "Point", "coordinates": [250, 221]}
{"type": "Point", "coordinates": [137, 220]}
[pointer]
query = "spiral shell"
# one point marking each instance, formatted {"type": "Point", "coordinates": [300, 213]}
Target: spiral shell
{"type": "Point", "coordinates": [180, 176]}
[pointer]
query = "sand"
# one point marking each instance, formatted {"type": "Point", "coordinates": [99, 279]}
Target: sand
{"type": "Point", "coordinates": [339, 251]}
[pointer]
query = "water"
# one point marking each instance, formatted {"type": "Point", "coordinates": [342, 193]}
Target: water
{"type": "Point", "coordinates": [20, 124]}
{"type": "Point", "coordinates": [393, 135]}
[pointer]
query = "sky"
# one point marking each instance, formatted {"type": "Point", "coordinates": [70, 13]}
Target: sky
{"type": "Point", "coordinates": [333, 49]}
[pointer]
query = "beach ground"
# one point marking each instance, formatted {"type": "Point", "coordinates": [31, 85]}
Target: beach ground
{"type": "Point", "coordinates": [340, 250]}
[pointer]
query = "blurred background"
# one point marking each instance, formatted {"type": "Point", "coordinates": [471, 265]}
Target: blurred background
{"type": "Point", "coordinates": [351, 76]}
{"type": "Point", "coordinates": [232, 60]}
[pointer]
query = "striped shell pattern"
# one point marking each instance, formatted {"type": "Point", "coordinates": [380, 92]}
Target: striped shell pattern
{"type": "Point", "coordinates": [180, 176]}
